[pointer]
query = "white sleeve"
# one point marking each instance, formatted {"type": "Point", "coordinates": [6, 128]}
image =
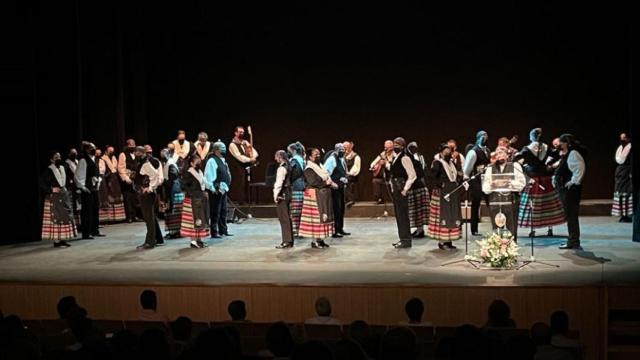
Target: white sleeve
{"type": "Point", "coordinates": [122, 167]}
{"type": "Point", "coordinates": [622, 153]}
{"type": "Point", "coordinates": [469, 163]}
{"type": "Point", "coordinates": [519, 180]}
{"type": "Point", "coordinates": [411, 172]}
{"type": "Point", "coordinates": [486, 182]}
{"type": "Point", "coordinates": [280, 176]}
{"type": "Point", "coordinates": [81, 173]}
{"type": "Point", "coordinates": [355, 169]}
{"type": "Point", "coordinates": [576, 164]}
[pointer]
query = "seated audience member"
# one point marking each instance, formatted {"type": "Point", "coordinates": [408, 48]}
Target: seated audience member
{"type": "Point", "coordinates": [414, 309]}
{"type": "Point", "coordinates": [181, 332]}
{"type": "Point", "coordinates": [559, 333]}
{"type": "Point", "coordinates": [149, 303]}
{"type": "Point", "coordinates": [237, 310]}
{"type": "Point", "coordinates": [323, 314]}
{"type": "Point", "coordinates": [346, 349]}
{"type": "Point", "coordinates": [279, 341]}
{"type": "Point", "coordinates": [499, 316]}
{"type": "Point", "coordinates": [312, 350]}
{"type": "Point", "coordinates": [541, 337]}
{"type": "Point", "coordinates": [398, 344]}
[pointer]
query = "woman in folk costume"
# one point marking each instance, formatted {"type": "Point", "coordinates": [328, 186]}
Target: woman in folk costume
{"type": "Point", "coordinates": [111, 201]}
{"type": "Point", "coordinates": [195, 209]}
{"type": "Point", "coordinates": [57, 217]}
{"type": "Point", "coordinates": [174, 196]}
{"type": "Point", "coordinates": [445, 217]}
{"type": "Point", "coordinates": [418, 196]}
{"type": "Point", "coordinates": [540, 204]}
{"type": "Point", "coordinates": [296, 153]}
{"type": "Point", "coordinates": [317, 209]}
{"type": "Point", "coordinates": [622, 197]}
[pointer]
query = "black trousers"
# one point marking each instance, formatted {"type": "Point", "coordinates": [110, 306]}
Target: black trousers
{"type": "Point", "coordinates": [147, 206]}
{"type": "Point", "coordinates": [218, 213]}
{"type": "Point", "coordinates": [475, 190]}
{"type": "Point", "coordinates": [570, 199]}
{"type": "Point", "coordinates": [89, 214]}
{"type": "Point", "coordinates": [350, 192]}
{"type": "Point", "coordinates": [283, 210]}
{"type": "Point", "coordinates": [130, 198]}
{"type": "Point", "coordinates": [337, 200]}
{"type": "Point", "coordinates": [401, 208]}
{"type": "Point", "coordinates": [379, 188]}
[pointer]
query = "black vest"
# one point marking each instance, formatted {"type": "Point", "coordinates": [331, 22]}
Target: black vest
{"type": "Point", "coordinates": [563, 173]}
{"type": "Point", "coordinates": [130, 164]}
{"type": "Point", "coordinates": [222, 172]}
{"type": "Point", "coordinates": [350, 163]}
{"type": "Point", "coordinates": [92, 171]}
{"type": "Point", "coordinates": [141, 181]}
{"type": "Point", "coordinates": [286, 184]}
{"type": "Point", "coordinates": [339, 172]}
{"type": "Point", "coordinates": [297, 175]}
{"type": "Point", "coordinates": [397, 169]}
{"type": "Point", "coordinates": [482, 157]}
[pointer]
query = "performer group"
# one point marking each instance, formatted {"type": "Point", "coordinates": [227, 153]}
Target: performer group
{"type": "Point", "coordinates": [190, 184]}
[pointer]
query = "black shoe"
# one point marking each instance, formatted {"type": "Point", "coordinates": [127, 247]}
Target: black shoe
{"type": "Point", "coordinates": [550, 232]}
{"type": "Point", "coordinates": [336, 236]}
{"type": "Point", "coordinates": [201, 244]}
{"type": "Point", "coordinates": [322, 244]}
{"type": "Point", "coordinates": [380, 202]}
{"type": "Point", "coordinates": [285, 245]}
{"type": "Point", "coordinates": [626, 219]}
{"type": "Point", "coordinates": [129, 221]}
{"type": "Point", "coordinates": [138, 220]}
{"type": "Point", "coordinates": [61, 243]}
{"type": "Point", "coordinates": [216, 236]}
{"type": "Point", "coordinates": [227, 234]}
{"type": "Point", "coordinates": [88, 238]}
{"type": "Point", "coordinates": [449, 246]}
{"type": "Point", "coordinates": [570, 247]}
{"type": "Point", "coordinates": [193, 246]}
{"type": "Point", "coordinates": [402, 245]}
{"type": "Point", "coordinates": [441, 246]}
{"type": "Point", "coordinates": [298, 237]}
{"type": "Point", "coordinates": [475, 233]}
{"type": "Point", "coordinates": [418, 234]}
{"type": "Point", "coordinates": [99, 235]}
{"type": "Point", "coordinates": [350, 204]}
{"type": "Point", "coordinates": [315, 245]}
{"type": "Point", "coordinates": [145, 246]}
{"type": "Point", "coordinates": [160, 243]}
{"type": "Point", "coordinates": [343, 233]}
{"type": "Point", "coordinates": [532, 233]}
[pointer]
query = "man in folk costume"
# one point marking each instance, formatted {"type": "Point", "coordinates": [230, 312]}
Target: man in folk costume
{"type": "Point", "coordinates": [195, 210]}
{"type": "Point", "coordinates": [504, 202]}
{"type": "Point", "coordinates": [568, 180]}
{"type": "Point", "coordinates": [203, 146]}
{"type": "Point", "coordinates": [622, 197]}
{"type": "Point", "coordinates": [282, 198]}
{"type": "Point", "coordinates": [317, 209]}
{"type": "Point", "coordinates": [540, 204]}
{"type": "Point", "coordinates": [174, 195]}
{"type": "Point", "coordinates": [380, 172]}
{"type": "Point", "coordinates": [337, 169]}
{"type": "Point", "coordinates": [245, 156]}
{"type": "Point", "coordinates": [127, 168]}
{"type": "Point", "coordinates": [297, 165]}
{"type": "Point", "coordinates": [147, 180]}
{"type": "Point", "coordinates": [57, 216]}
{"type": "Point", "coordinates": [182, 150]}
{"type": "Point", "coordinates": [217, 178]}
{"type": "Point", "coordinates": [475, 162]}
{"type": "Point", "coordinates": [353, 162]}
{"type": "Point", "coordinates": [111, 204]}
{"type": "Point", "coordinates": [70, 166]}
{"type": "Point", "coordinates": [445, 217]}
{"type": "Point", "coordinates": [402, 176]}
{"type": "Point", "coordinates": [87, 181]}
{"type": "Point", "coordinates": [418, 197]}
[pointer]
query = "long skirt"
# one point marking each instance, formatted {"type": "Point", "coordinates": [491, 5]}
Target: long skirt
{"type": "Point", "coordinates": [53, 228]}
{"type": "Point", "coordinates": [310, 221]}
{"type": "Point", "coordinates": [418, 207]}
{"type": "Point", "coordinates": [622, 205]}
{"type": "Point", "coordinates": [297, 200]}
{"type": "Point", "coordinates": [111, 201]}
{"type": "Point", "coordinates": [190, 226]}
{"type": "Point", "coordinates": [547, 208]}
{"type": "Point", "coordinates": [442, 227]}
{"type": "Point", "coordinates": [173, 217]}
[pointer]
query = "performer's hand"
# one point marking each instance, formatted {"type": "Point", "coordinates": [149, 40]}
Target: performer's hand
{"type": "Point", "coordinates": [128, 181]}
{"type": "Point", "coordinates": [466, 185]}
{"type": "Point", "coordinates": [55, 190]}
{"type": "Point", "coordinates": [568, 185]}
{"type": "Point", "coordinates": [334, 185]}
{"type": "Point", "coordinates": [253, 161]}
{"type": "Point", "coordinates": [404, 192]}
{"type": "Point", "coordinates": [86, 190]}
{"type": "Point", "coordinates": [532, 181]}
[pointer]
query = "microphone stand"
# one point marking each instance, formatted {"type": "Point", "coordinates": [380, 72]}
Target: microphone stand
{"type": "Point", "coordinates": [532, 259]}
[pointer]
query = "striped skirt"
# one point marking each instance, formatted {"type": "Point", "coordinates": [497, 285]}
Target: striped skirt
{"type": "Point", "coordinates": [188, 228]}
{"type": "Point", "coordinates": [173, 218]}
{"type": "Point", "coordinates": [297, 199]}
{"type": "Point", "coordinates": [112, 213]}
{"type": "Point", "coordinates": [418, 207]}
{"type": "Point", "coordinates": [547, 208]}
{"type": "Point", "coordinates": [310, 224]}
{"type": "Point", "coordinates": [51, 230]}
{"type": "Point", "coordinates": [622, 205]}
{"type": "Point", "coordinates": [439, 228]}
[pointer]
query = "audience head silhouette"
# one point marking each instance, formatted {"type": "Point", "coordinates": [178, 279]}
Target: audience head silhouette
{"type": "Point", "coordinates": [237, 310]}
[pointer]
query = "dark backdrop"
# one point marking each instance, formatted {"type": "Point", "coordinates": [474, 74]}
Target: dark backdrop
{"type": "Point", "coordinates": [105, 71]}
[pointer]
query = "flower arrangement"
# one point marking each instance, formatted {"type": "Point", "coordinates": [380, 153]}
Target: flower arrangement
{"type": "Point", "coordinates": [498, 250]}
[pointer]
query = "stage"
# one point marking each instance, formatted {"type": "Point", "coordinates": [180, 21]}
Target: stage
{"type": "Point", "coordinates": [365, 258]}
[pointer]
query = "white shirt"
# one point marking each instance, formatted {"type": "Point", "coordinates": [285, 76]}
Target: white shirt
{"type": "Point", "coordinates": [235, 152]}
{"type": "Point", "coordinates": [155, 175]}
{"type": "Point", "coordinates": [281, 174]}
{"type": "Point", "coordinates": [355, 169]}
{"type": "Point", "coordinates": [576, 164]}
{"type": "Point", "coordinates": [517, 184]}
{"type": "Point", "coordinates": [122, 166]}
{"type": "Point", "coordinates": [622, 153]}
{"type": "Point", "coordinates": [81, 172]}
